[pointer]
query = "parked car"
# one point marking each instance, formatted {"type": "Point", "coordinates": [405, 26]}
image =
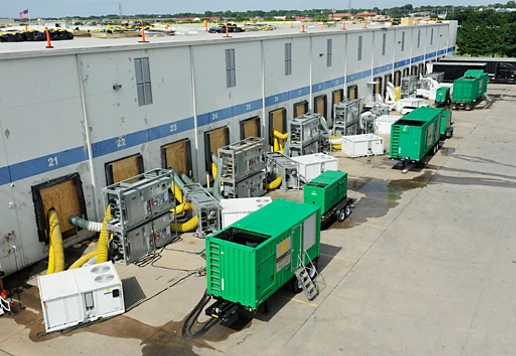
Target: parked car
{"type": "Point", "coordinates": [221, 28]}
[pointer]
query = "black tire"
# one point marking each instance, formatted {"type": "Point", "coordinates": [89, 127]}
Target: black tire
{"type": "Point", "coordinates": [341, 215]}
{"type": "Point", "coordinates": [454, 107]}
{"type": "Point", "coordinates": [347, 210]}
{"type": "Point", "coordinates": [468, 107]}
{"type": "Point", "coordinates": [294, 286]}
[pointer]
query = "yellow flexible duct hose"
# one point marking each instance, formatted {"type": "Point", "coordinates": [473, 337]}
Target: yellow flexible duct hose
{"type": "Point", "coordinates": [102, 250]}
{"type": "Point", "coordinates": [181, 208]}
{"type": "Point", "coordinates": [84, 259]}
{"type": "Point", "coordinates": [187, 226]}
{"type": "Point", "coordinates": [102, 244]}
{"type": "Point", "coordinates": [178, 193]}
{"type": "Point", "coordinates": [280, 135]}
{"type": "Point", "coordinates": [51, 260]}
{"type": "Point", "coordinates": [275, 183]}
{"type": "Point", "coordinates": [214, 170]}
{"type": "Point", "coordinates": [56, 250]}
{"type": "Point", "coordinates": [337, 147]}
{"type": "Point", "coordinates": [276, 144]}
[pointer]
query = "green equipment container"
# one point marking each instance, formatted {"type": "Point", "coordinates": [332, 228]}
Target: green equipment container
{"type": "Point", "coordinates": [469, 88]}
{"type": "Point", "coordinates": [442, 96]}
{"type": "Point", "coordinates": [415, 134]}
{"type": "Point", "coordinates": [446, 124]}
{"type": "Point", "coordinates": [326, 190]}
{"type": "Point", "coordinates": [251, 259]}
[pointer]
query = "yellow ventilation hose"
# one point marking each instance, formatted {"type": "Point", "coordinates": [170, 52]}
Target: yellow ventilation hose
{"type": "Point", "coordinates": [280, 135]}
{"type": "Point", "coordinates": [84, 259]}
{"type": "Point", "coordinates": [181, 208]}
{"type": "Point", "coordinates": [214, 170]}
{"type": "Point", "coordinates": [102, 247]}
{"type": "Point", "coordinates": [336, 146]}
{"type": "Point", "coordinates": [178, 193]}
{"type": "Point", "coordinates": [275, 183]}
{"type": "Point", "coordinates": [278, 141]}
{"type": "Point", "coordinates": [187, 226]}
{"type": "Point", "coordinates": [56, 262]}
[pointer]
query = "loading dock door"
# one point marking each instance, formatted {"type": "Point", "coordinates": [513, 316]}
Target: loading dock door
{"type": "Point", "coordinates": [65, 196]}
{"type": "Point", "coordinates": [300, 108]}
{"type": "Point", "coordinates": [320, 105]}
{"type": "Point", "coordinates": [250, 128]}
{"type": "Point", "coordinates": [378, 85]}
{"type": "Point", "coordinates": [177, 156]}
{"type": "Point", "coordinates": [278, 122]}
{"type": "Point", "coordinates": [124, 168]}
{"type": "Point", "coordinates": [413, 70]}
{"type": "Point", "coordinates": [406, 72]}
{"type": "Point", "coordinates": [422, 69]}
{"type": "Point", "coordinates": [213, 140]}
{"type": "Point", "coordinates": [397, 78]}
{"type": "Point", "coordinates": [352, 92]}
{"type": "Point", "coordinates": [337, 97]}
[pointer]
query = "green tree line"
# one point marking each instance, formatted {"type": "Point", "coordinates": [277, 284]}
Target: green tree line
{"type": "Point", "coordinates": [487, 32]}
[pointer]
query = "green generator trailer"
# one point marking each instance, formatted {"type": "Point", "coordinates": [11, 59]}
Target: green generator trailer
{"type": "Point", "coordinates": [446, 124]}
{"type": "Point", "coordinates": [250, 260]}
{"type": "Point", "coordinates": [469, 89]}
{"type": "Point", "coordinates": [415, 135]}
{"type": "Point", "coordinates": [442, 96]}
{"type": "Point", "coordinates": [329, 191]}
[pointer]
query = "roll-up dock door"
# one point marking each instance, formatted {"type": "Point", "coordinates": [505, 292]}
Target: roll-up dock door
{"type": "Point", "coordinates": [177, 156]}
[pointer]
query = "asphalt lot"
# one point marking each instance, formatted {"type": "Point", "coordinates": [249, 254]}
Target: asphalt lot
{"type": "Point", "coordinates": [425, 266]}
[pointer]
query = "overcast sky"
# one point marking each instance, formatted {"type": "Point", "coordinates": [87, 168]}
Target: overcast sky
{"type": "Point", "coordinates": [59, 8]}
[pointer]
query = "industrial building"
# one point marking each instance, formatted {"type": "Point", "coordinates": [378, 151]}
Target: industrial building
{"type": "Point", "coordinates": [94, 113]}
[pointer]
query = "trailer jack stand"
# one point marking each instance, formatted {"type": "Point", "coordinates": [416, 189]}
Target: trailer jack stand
{"type": "Point", "coordinates": [265, 308]}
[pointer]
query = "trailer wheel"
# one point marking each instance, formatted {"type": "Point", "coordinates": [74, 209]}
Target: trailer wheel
{"type": "Point", "coordinates": [454, 106]}
{"type": "Point", "coordinates": [342, 215]}
{"type": "Point", "coordinates": [468, 107]}
{"type": "Point", "coordinates": [347, 210]}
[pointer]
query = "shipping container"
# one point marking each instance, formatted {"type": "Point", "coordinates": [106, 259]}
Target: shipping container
{"type": "Point", "coordinates": [500, 70]}
{"type": "Point", "coordinates": [468, 89]}
{"type": "Point", "coordinates": [251, 259]}
{"type": "Point", "coordinates": [329, 192]}
{"type": "Point", "coordinates": [446, 124]}
{"type": "Point", "coordinates": [454, 71]}
{"type": "Point", "coordinates": [416, 134]}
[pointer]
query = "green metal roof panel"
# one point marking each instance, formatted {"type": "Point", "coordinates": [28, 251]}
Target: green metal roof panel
{"type": "Point", "coordinates": [329, 176]}
{"type": "Point", "coordinates": [274, 218]}
{"type": "Point", "coordinates": [422, 114]}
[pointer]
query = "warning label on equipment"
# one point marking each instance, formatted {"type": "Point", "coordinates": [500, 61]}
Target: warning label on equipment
{"type": "Point", "coordinates": [282, 254]}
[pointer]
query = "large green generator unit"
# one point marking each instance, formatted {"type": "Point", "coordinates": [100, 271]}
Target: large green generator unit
{"type": "Point", "coordinates": [468, 89]}
{"type": "Point", "coordinates": [416, 134]}
{"type": "Point", "coordinates": [251, 259]}
{"type": "Point", "coordinates": [329, 191]}
{"type": "Point", "coordinates": [442, 96]}
{"type": "Point", "coordinates": [446, 124]}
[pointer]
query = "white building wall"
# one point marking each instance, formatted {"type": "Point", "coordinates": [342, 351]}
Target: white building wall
{"type": "Point", "coordinates": [42, 131]}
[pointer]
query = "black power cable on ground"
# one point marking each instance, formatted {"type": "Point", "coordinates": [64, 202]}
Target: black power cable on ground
{"type": "Point", "coordinates": [191, 319]}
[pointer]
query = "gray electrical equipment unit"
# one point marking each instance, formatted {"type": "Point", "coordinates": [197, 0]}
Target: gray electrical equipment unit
{"type": "Point", "coordinates": [205, 206]}
{"type": "Point", "coordinates": [409, 87]}
{"type": "Point", "coordinates": [250, 187]}
{"type": "Point", "coordinates": [280, 165]}
{"type": "Point", "coordinates": [242, 159]}
{"type": "Point", "coordinates": [437, 76]}
{"type": "Point", "coordinates": [347, 118]}
{"type": "Point", "coordinates": [242, 166]}
{"type": "Point", "coordinates": [304, 135]}
{"type": "Point", "coordinates": [140, 210]}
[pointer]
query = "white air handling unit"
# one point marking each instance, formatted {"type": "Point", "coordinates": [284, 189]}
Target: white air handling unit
{"type": "Point", "coordinates": [80, 295]}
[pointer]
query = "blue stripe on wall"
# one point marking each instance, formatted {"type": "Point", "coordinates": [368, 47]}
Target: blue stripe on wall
{"type": "Point", "coordinates": [76, 155]}
{"type": "Point", "coordinates": [47, 163]}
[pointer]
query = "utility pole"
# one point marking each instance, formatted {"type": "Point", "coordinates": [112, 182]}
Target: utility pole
{"type": "Point", "coordinates": [120, 11]}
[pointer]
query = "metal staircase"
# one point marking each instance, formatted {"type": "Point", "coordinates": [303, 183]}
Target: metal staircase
{"type": "Point", "coordinates": [303, 276]}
